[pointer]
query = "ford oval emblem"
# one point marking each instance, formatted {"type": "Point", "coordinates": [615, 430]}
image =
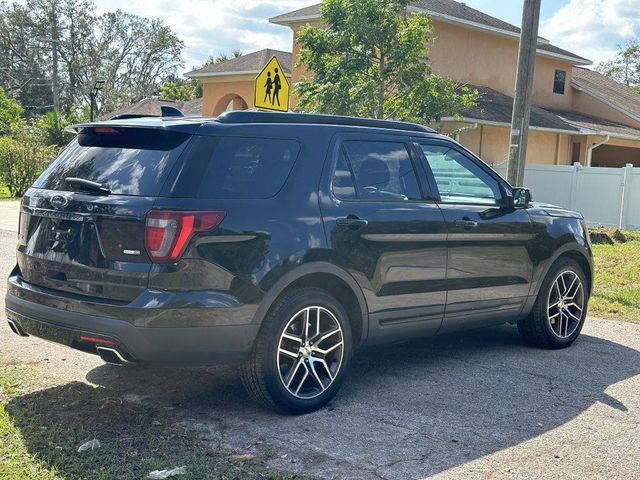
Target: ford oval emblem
{"type": "Point", "coordinates": [59, 201]}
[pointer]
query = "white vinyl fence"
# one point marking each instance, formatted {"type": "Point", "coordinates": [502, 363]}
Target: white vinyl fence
{"type": "Point", "coordinates": [605, 196]}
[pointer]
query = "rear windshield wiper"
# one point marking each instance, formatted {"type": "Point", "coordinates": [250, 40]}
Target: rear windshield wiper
{"type": "Point", "coordinates": [88, 185]}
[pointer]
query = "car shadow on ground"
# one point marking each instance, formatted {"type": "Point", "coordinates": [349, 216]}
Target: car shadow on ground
{"type": "Point", "coordinates": [407, 410]}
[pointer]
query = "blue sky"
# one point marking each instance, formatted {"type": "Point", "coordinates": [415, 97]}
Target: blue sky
{"type": "Point", "coordinates": [590, 28]}
{"type": "Point", "coordinates": [511, 10]}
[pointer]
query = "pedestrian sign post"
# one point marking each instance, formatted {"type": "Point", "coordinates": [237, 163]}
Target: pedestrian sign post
{"type": "Point", "coordinates": [272, 88]}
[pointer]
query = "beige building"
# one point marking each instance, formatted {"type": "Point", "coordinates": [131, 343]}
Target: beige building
{"type": "Point", "coordinates": [578, 115]}
{"type": "Point", "coordinates": [230, 85]}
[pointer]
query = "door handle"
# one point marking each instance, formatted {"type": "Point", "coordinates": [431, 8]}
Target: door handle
{"type": "Point", "coordinates": [466, 223]}
{"type": "Point", "coordinates": [352, 221]}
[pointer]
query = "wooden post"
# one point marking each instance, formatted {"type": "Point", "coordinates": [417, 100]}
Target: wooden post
{"type": "Point", "coordinates": [524, 92]}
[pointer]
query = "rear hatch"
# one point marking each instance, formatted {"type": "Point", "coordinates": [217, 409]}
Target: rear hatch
{"type": "Point", "coordinates": [82, 224]}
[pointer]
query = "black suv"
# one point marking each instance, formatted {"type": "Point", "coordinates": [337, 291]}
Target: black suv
{"type": "Point", "coordinates": [284, 242]}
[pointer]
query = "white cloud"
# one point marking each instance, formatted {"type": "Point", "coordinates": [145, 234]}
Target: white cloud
{"type": "Point", "coordinates": [211, 27]}
{"type": "Point", "coordinates": [593, 28]}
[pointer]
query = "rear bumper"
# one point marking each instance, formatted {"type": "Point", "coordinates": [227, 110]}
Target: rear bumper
{"type": "Point", "coordinates": [30, 310]}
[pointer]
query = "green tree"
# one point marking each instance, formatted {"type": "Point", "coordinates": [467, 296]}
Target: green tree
{"type": "Point", "coordinates": [63, 46]}
{"type": "Point", "coordinates": [178, 91]}
{"type": "Point", "coordinates": [370, 59]}
{"type": "Point", "coordinates": [223, 57]}
{"type": "Point", "coordinates": [214, 60]}
{"type": "Point", "coordinates": [10, 113]}
{"type": "Point", "coordinates": [625, 67]}
{"type": "Point", "coordinates": [51, 125]}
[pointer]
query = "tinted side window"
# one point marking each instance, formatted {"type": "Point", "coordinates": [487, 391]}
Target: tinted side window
{"type": "Point", "coordinates": [344, 186]}
{"type": "Point", "coordinates": [383, 171]}
{"type": "Point", "coordinates": [459, 179]}
{"type": "Point", "coordinates": [236, 167]}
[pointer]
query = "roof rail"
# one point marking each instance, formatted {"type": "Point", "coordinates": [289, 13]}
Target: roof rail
{"type": "Point", "coordinates": [300, 118]}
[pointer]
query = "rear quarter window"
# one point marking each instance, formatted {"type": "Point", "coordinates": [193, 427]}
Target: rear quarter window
{"type": "Point", "coordinates": [128, 161]}
{"type": "Point", "coordinates": [236, 167]}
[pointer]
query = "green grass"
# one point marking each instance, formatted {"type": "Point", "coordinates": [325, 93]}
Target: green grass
{"type": "Point", "coordinates": [44, 421]}
{"type": "Point", "coordinates": [617, 280]}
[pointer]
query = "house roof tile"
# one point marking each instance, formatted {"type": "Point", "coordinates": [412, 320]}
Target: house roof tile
{"type": "Point", "coordinates": [446, 8]}
{"type": "Point", "coordinates": [605, 89]}
{"type": "Point", "coordinates": [152, 107]}
{"type": "Point", "coordinates": [496, 107]}
{"type": "Point", "coordinates": [599, 125]}
{"type": "Point", "coordinates": [249, 63]}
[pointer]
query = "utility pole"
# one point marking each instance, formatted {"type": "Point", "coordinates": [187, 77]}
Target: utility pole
{"type": "Point", "coordinates": [524, 92]}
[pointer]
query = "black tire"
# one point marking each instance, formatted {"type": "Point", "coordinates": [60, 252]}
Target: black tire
{"type": "Point", "coordinates": [261, 376]}
{"type": "Point", "coordinates": [536, 328]}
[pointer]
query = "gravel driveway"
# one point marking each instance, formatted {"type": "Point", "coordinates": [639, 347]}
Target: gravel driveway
{"type": "Point", "coordinates": [473, 405]}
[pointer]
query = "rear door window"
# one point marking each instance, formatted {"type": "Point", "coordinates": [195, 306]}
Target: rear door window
{"type": "Point", "coordinates": [375, 171]}
{"type": "Point", "coordinates": [127, 161]}
{"type": "Point", "coordinates": [236, 167]}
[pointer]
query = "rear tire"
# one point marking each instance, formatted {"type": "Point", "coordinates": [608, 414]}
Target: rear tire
{"type": "Point", "coordinates": [560, 310]}
{"type": "Point", "coordinates": [302, 352]}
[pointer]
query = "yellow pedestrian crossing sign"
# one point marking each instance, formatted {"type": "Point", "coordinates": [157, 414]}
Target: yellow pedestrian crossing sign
{"type": "Point", "coordinates": [272, 88]}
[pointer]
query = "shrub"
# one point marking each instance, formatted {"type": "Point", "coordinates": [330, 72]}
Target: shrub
{"type": "Point", "coordinates": [10, 112]}
{"type": "Point", "coordinates": [51, 128]}
{"type": "Point", "coordinates": [21, 162]}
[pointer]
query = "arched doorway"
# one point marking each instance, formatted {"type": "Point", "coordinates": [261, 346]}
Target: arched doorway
{"type": "Point", "coordinates": [228, 103]}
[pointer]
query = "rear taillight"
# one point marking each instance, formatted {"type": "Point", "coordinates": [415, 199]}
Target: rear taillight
{"type": "Point", "coordinates": [168, 233]}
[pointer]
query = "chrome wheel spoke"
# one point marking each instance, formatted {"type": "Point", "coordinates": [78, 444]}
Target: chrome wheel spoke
{"type": "Point", "coordinates": [327, 351]}
{"type": "Point", "coordinates": [304, 378]}
{"type": "Point", "coordinates": [565, 304]}
{"type": "Point", "coordinates": [575, 305]}
{"type": "Point", "coordinates": [328, 335]}
{"type": "Point", "coordinates": [311, 344]}
{"type": "Point", "coordinates": [326, 367]}
{"type": "Point", "coordinates": [292, 338]}
{"type": "Point", "coordinates": [306, 324]}
{"type": "Point", "coordinates": [315, 374]}
{"type": "Point", "coordinates": [571, 315]}
{"type": "Point", "coordinates": [293, 373]}
{"type": "Point", "coordinates": [283, 351]}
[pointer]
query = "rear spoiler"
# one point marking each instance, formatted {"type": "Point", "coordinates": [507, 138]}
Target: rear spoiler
{"type": "Point", "coordinates": [169, 113]}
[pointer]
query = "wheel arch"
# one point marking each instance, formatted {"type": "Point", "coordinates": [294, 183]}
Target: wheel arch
{"type": "Point", "coordinates": [334, 280]}
{"type": "Point", "coordinates": [574, 252]}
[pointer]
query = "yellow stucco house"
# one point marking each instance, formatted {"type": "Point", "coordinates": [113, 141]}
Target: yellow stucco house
{"type": "Point", "coordinates": [578, 115]}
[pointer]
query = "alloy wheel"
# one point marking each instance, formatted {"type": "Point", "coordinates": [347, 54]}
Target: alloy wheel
{"type": "Point", "coordinates": [565, 306]}
{"type": "Point", "coordinates": [310, 352]}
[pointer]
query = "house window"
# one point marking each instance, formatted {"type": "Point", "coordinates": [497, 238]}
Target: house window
{"type": "Point", "coordinates": [559, 82]}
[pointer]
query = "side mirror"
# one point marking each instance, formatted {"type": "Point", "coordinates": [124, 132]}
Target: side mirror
{"type": "Point", "coordinates": [522, 198]}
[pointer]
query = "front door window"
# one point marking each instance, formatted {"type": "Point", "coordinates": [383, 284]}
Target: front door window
{"type": "Point", "coordinates": [459, 179]}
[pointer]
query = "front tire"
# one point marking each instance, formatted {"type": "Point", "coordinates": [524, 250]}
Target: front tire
{"type": "Point", "coordinates": [302, 352]}
{"type": "Point", "coordinates": [560, 310]}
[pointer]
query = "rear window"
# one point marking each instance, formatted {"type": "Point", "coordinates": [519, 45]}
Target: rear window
{"type": "Point", "coordinates": [236, 167]}
{"type": "Point", "coordinates": [128, 161]}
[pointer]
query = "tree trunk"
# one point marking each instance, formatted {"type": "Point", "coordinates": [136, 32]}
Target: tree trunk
{"type": "Point", "coordinates": [381, 87]}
